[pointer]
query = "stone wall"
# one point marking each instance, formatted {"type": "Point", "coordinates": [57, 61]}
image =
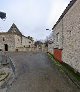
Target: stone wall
{"type": "Point", "coordinates": [58, 35]}
{"type": "Point", "coordinates": [23, 43]}
{"type": "Point", "coordinates": [68, 30]}
{"type": "Point", "coordinates": [7, 39]}
{"type": "Point", "coordinates": [71, 34]}
{"type": "Point", "coordinates": [27, 49]}
{"type": "Point", "coordinates": [50, 48]}
{"type": "Point", "coordinates": [26, 42]}
{"type": "Point", "coordinates": [17, 41]}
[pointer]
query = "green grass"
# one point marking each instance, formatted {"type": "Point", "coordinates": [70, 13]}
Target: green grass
{"type": "Point", "coordinates": [71, 71]}
{"type": "Point", "coordinates": [63, 67]}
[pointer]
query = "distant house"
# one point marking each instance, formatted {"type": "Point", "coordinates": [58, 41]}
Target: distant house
{"type": "Point", "coordinates": [13, 40]}
{"type": "Point", "coordinates": [50, 43]}
{"type": "Point", "coordinates": [67, 36]}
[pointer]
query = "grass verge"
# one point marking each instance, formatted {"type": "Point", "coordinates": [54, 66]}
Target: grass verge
{"type": "Point", "coordinates": [73, 75]}
{"type": "Point", "coordinates": [3, 76]}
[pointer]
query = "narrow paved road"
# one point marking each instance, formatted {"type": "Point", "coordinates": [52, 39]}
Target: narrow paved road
{"type": "Point", "coordinates": [35, 74]}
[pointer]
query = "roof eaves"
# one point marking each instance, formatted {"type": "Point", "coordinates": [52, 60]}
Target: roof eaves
{"type": "Point", "coordinates": [65, 11]}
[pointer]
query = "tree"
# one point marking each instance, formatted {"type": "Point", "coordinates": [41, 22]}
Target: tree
{"type": "Point", "coordinates": [39, 43]}
{"type": "Point", "coordinates": [31, 38]}
{"type": "Point", "coordinates": [2, 15]}
{"type": "Point", "coordinates": [46, 43]}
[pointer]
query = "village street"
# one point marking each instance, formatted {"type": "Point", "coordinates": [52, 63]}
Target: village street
{"type": "Point", "coordinates": [34, 73]}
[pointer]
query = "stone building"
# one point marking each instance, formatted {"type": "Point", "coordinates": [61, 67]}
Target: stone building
{"type": "Point", "coordinates": [13, 40]}
{"type": "Point", "coordinates": [50, 43]}
{"type": "Point", "coordinates": [67, 35]}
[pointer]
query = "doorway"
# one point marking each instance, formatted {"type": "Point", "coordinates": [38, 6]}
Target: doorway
{"type": "Point", "coordinates": [6, 47]}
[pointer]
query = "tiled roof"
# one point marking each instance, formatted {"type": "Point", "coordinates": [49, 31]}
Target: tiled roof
{"type": "Point", "coordinates": [65, 11]}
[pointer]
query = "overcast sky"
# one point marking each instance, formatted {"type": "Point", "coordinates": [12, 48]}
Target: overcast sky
{"type": "Point", "coordinates": [32, 17]}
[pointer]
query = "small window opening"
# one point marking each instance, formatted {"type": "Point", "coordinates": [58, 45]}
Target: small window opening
{"type": "Point", "coordinates": [3, 39]}
{"type": "Point", "coordinates": [29, 42]}
{"type": "Point", "coordinates": [29, 46]}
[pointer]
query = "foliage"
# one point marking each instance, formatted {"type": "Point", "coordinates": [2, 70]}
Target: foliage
{"type": "Point", "coordinates": [2, 15]}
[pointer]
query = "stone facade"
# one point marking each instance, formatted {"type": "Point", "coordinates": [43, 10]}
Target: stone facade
{"type": "Point", "coordinates": [7, 42]}
{"type": "Point", "coordinates": [50, 42]}
{"type": "Point", "coordinates": [71, 33]}
{"type": "Point", "coordinates": [50, 47]}
{"type": "Point", "coordinates": [18, 41]}
{"type": "Point", "coordinates": [67, 35]}
{"type": "Point", "coordinates": [58, 35]}
{"type": "Point", "coordinates": [26, 42]}
{"type": "Point", "coordinates": [13, 40]}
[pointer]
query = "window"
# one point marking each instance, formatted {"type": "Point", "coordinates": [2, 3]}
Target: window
{"type": "Point", "coordinates": [70, 32]}
{"type": "Point", "coordinates": [3, 39]}
{"type": "Point", "coordinates": [29, 46]}
{"type": "Point", "coordinates": [29, 42]}
{"type": "Point", "coordinates": [57, 37]}
{"type": "Point", "coordinates": [18, 39]}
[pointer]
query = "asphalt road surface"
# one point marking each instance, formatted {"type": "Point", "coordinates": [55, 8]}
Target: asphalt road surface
{"type": "Point", "coordinates": [35, 73]}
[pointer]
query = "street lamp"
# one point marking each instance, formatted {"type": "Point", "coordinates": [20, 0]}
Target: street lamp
{"type": "Point", "coordinates": [2, 15]}
{"type": "Point", "coordinates": [48, 29]}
